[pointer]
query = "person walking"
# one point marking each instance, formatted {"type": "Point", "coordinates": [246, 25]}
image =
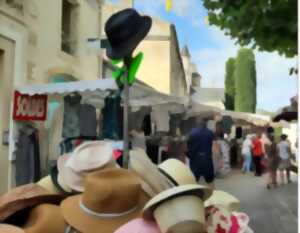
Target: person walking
{"type": "Point", "coordinates": [247, 154]}
{"type": "Point", "coordinates": [200, 143]}
{"type": "Point", "coordinates": [284, 152]}
{"type": "Point", "coordinates": [273, 162]}
{"type": "Point", "coordinates": [257, 150]}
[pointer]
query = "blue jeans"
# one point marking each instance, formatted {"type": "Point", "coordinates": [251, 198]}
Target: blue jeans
{"type": "Point", "coordinates": [247, 162]}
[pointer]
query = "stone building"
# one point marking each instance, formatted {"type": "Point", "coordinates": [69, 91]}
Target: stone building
{"type": "Point", "coordinates": [43, 41]}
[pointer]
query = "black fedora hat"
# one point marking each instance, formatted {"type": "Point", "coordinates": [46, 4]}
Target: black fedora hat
{"type": "Point", "coordinates": [125, 30]}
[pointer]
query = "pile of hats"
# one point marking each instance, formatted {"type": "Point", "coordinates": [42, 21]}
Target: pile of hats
{"type": "Point", "coordinates": [88, 192]}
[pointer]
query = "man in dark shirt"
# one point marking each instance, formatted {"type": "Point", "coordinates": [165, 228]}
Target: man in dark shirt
{"type": "Point", "coordinates": [200, 152]}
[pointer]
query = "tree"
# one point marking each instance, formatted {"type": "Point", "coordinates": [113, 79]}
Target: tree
{"type": "Point", "coordinates": [229, 84]}
{"type": "Point", "coordinates": [269, 25]}
{"type": "Point", "coordinates": [245, 81]}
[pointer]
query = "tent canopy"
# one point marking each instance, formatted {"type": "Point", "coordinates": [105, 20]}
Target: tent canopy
{"type": "Point", "coordinates": [96, 90]}
{"type": "Point", "coordinates": [202, 110]}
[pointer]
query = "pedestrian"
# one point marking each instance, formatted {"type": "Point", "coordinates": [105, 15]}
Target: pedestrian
{"type": "Point", "coordinates": [247, 154]}
{"type": "Point", "coordinates": [284, 152]}
{"type": "Point", "coordinates": [200, 152]}
{"type": "Point", "coordinates": [257, 150]}
{"type": "Point", "coordinates": [273, 162]}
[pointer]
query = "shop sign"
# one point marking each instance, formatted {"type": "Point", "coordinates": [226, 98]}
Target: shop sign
{"type": "Point", "coordinates": [28, 107]}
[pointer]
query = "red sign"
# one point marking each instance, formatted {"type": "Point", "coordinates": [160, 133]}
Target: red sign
{"type": "Point", "coordinates": [28, 107]}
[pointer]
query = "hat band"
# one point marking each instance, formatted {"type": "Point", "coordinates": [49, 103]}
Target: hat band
{"type": "Point", "coordinates": [170, 178]}
{"type": "Point", "coordinates": [104, 215]}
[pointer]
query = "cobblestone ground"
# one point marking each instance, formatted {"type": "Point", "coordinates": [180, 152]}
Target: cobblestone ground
{"type": "Point", "coordinates": [270, 211]}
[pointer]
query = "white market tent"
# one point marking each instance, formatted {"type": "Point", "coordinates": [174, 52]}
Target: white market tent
{"type": "Point", "coordinates": [95, 91]}
{"type": "Point", "coordinates": [202, 110]}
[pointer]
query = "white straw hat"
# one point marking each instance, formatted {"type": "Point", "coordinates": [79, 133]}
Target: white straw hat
{"type": "Point", "coordinates": [179, 209]}
{"type": "Point", "coordinates": [152, 181]}
{"type": "Point", "coordinates": [177, 172]}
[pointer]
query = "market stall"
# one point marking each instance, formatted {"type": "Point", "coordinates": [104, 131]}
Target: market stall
{"type": "Point", "coordinates": [92, 93]}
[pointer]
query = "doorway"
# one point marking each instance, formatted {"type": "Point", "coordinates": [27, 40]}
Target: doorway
{"type": "Point", "coordinates": [7, 50]}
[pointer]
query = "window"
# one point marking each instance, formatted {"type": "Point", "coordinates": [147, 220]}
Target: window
{"type": "Point", "coordinates": [69, 26]}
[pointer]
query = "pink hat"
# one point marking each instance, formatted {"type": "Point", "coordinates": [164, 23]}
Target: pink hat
{"type": "Point", "coordinates": [139, 225]}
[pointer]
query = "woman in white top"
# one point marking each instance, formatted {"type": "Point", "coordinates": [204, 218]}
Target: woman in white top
{"type": "Point", "coordinates": [246, 152]}
{"type": "Point", "coordinates": [284, 152]}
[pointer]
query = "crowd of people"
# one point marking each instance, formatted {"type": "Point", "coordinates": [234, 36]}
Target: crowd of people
{"type": "Point", "coordinates": [263, 147]}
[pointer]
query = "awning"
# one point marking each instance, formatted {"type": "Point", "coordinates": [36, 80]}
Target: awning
{"type": "Point", "coordinates": [203, 110]}
{"type": "Point", "coordinates": [99, 85]}
{"type": "Point", "coordinates": [96, 90]}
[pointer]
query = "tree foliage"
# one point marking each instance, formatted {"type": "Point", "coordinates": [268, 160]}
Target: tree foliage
{"type": "Point", "coordinates": [245, 81]}
{"type": "Point", "coordinates": [229, 84]}
{"type": "Point", "coordinates": [269, 25]}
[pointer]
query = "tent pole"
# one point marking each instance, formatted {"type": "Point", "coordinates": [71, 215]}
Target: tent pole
{"type": "Point", "coordinates": [127, 62]}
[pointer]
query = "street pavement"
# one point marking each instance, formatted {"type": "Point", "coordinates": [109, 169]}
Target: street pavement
{"type": "Point", "coordinates": [270, 211]}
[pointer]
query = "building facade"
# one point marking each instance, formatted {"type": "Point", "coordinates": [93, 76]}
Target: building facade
{"type": "Point", "coordinates": [41, 40]}
{"type": "Point", "coordinates": [162, 67]}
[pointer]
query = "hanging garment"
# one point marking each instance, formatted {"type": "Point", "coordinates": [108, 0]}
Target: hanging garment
{"type": "Point", "coordinates": [211, 124]}
{"type": "Point", "coordinates": [71, 127]}
{"type": "Point", "coordinates": [112, 118]}
{"type": "Point", "coordinates": [239, 132]}
{"type": "Point", "coordinates": [136, 119]}
{"type": "Point", "coordinates": [227, 123]}
{"type": "Point", "coordinates": [27, 157]}
{"type": "Point", "coordinates": [87, 120]}
{"type": "Point", "coordinates": [160, 116]}
{"type": "Point", "coordinates": [175, 120]}
{"type": "Point", "coordinates": [146, 127]}
{"type": "Point", "coordinates": [55, 134]}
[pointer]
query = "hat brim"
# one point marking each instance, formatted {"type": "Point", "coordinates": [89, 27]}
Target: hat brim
{"type": "Point", "coordinates": [125, 49]}
{"type": "Point", "coordinates": [189, 189]}
{"type": "Point", "coordinates": [83, 222]}
{"type": "Point", "coordinates": [54, 178]}
{"type": "Point", "coordinates": [6, 228]}
{"type": "Point", "coordinates": [9, 209]}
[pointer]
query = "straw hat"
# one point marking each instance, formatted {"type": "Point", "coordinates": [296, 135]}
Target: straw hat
{"type": "Point", "coordinates": [86, 158]}
{"type": "Point", "coordinates": [152, 181]}
{"type": "Point", "coordinates": [177, 172]}
{"type": "Point", "coordinates": [223, 199]}
{"type": "Point", "coordinates": [90, 156]}
{"type": "Point", "coordinates": [179, 209]}
{"type": "Point", "coordinates": [58, 182]}
{"type": "Point", "coordinates": [45, 218]}
{"type": "Point", "coordinates": [139, 225]}
{"type": "Point", "coordinates": [23, 197]}
{"type": "Point", "coordinates": [6, 228]}
{"type": "Point", "coordinates": [47, 183]}
{"type": "Point", "coordinates": [180, 174]}
{"type": "Point", "coordinates": [111, 199]}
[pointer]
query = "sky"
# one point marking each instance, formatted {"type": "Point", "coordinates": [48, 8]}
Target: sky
{"type": "Point", "coordinates": [210, 49]}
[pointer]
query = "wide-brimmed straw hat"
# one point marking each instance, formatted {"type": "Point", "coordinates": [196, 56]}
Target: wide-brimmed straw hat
{"type": "Point", "coordinates": [111, 198]}
{"type": "Point", "coordinates": [24, 197]}
{"type": "Point", "coordinates": [90, 156]}
{"type": "Point", "coordinates": [47, 183]}
{"type": "Point", "coordinates": [177, 172]}
{"type": "Point", "coordinates": [179, 209]}
{"type": "Point", "coordinates": [86, 158]}
{"type": "Point", "coordinates": [6, 228]}
{"type": "Point", "coordinates": [45, 218]}
{"type": "Point", "coordinates": [180, 174]}
{"type": "Point", "coordinates": [139, 225]}
{"type": "Point", "coordinates": [152, 181]}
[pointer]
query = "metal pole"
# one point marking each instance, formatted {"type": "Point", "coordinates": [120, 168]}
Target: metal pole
{"type": "Point", "coordinates": [126, 116]}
